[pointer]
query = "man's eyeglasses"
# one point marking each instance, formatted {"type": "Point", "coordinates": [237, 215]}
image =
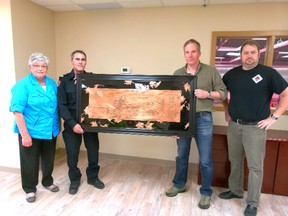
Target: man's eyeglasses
{"type": "Point", "coordinates": [40, 66]}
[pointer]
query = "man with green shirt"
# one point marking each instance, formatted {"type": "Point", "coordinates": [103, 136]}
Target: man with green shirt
{"type": "Point", "coordinates": [209, 87]}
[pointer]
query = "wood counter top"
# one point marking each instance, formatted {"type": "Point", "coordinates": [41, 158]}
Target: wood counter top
{"type": "Point", "coordinates": [280, 135]}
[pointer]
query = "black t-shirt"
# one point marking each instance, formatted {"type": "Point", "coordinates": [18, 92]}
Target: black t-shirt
{"type": "Point", "coordinates": [251, 91]}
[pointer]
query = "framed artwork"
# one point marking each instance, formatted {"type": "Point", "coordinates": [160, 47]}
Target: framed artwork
{"type": "Point", "coordinates": [161, 105]}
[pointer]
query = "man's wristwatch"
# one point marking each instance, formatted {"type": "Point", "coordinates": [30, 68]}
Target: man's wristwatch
{"type": "Point", "coordinates": [209, 95]}
{"type": "Point", "coordinates": [274, 117]}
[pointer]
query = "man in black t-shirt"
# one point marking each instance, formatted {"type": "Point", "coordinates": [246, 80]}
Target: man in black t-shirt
{"type": "Point", "coordinates": [251, 87]}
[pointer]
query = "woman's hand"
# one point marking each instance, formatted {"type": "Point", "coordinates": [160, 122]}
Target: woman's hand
{"type": "Point", "coordinates": [26, 140]}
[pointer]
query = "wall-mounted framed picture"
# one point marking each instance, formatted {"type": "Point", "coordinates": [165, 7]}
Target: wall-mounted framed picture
{"type": "Point", "coordinates": [162, 105]}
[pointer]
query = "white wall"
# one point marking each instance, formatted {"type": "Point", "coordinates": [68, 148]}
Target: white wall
{"type": "Point", "coordinates": [8, 140]}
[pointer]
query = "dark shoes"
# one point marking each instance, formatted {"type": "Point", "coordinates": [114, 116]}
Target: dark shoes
{"type": "Point", "coordinates": [31, 197]}
{"type": "Point", "coordinates": [173, 191]}
{"type": "Point", "coordinates": [74, 186]}
{"type": "Point", "coordinates": [204, 202]}
{"type": "Point", "coordinates": [229, 195]}
{"type": "Point", "coordinates": [73, 189]}
{"type": "Point", "coordinates": [53, 188]}
{"type": "Point", "coordinates": [97, 183]}
{"type": "Point", "coordinates": [250, 210]}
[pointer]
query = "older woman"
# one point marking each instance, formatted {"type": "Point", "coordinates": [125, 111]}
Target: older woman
{"type": "Point", "coordinates": [34, 105]}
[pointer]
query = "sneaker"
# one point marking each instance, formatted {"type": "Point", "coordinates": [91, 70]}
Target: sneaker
{"type": "Point", "coordinates": [204, 202]}
{"type": "Point", "coordinates": [173, 191]}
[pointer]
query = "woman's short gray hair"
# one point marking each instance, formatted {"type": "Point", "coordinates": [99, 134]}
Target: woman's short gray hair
{"type": "Point", "coordinates": [38, 57]}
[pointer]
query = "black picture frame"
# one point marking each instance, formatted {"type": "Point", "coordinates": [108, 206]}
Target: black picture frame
{"type": "Point", "coordinates": [89, 83]}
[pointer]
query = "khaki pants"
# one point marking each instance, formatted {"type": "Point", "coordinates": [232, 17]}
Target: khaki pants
{"type": "Point", "coordinates": [246, 140]}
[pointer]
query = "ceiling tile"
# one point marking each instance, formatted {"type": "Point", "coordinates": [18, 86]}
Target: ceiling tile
{"type": "Point", "coordinates": [182, 2]}
{"type": "Point", "coordinates": [91, 1]}
{"type": "Point", "coordinates": [141, 3]}
{"type": "Point", "coordinates": [65, 7]}
{"type": "Point", "coordinates": [230, 1]}
{"type": "Point", "coordinates": [110, 5]}
{"type": "Point", "coordinates": [52, 2]}
{"type": "Point", "coordinates": [72, 5]}
{"type": "Point", "coordinates": [134, 0]}
{"type": "Point", "coordinates": [265, 1]}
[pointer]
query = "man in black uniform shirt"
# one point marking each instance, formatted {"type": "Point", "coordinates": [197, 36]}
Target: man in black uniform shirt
{"type": "Point", "coordinates": [73, 132]}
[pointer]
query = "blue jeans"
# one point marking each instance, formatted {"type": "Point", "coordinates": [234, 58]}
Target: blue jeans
{"type": "Point", "coordinates": [203, 138]}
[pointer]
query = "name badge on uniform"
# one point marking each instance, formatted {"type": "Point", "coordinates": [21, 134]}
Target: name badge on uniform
{"type": "Point", "coordinates": [257, 78]}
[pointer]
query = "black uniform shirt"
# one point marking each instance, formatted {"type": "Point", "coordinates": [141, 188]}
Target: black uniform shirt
{"type": "Point", "coordinates": [67, 98]}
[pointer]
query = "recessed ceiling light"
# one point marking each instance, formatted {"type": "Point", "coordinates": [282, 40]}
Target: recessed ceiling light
{"type": "Point", "coordinates": [262, 39]}
{"type": "Point", "coordinates": [233, 54]}
{"type": "Point", "coordinates": [227, 49]}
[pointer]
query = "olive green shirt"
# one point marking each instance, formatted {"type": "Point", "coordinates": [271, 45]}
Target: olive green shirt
{"type": "Point", "coordinates": [208, 79]}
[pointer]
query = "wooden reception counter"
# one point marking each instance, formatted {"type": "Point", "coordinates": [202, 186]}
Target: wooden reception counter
{"type": "Point", "coordinates": [275, 165]}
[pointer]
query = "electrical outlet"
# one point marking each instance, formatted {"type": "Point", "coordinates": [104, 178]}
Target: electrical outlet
{"type": "Point", "coordinates": [125, 70]}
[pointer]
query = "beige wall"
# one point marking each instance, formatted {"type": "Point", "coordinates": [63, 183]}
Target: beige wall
{"type": "Point", "coordinates": [150, 41]}
{"type": "Point", "coordinates": [33, 31]}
